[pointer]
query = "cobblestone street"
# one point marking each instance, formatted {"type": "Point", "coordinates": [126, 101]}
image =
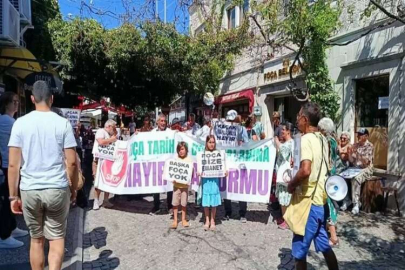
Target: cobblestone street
{"type": "Point", "coordinates": [126, 237]}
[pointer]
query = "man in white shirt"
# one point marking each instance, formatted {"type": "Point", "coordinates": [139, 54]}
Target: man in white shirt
{"type": "Point", "coordinates": [206, 130]}
{"type": "Point", "coordinates": [161, 126]}
{"type": "Point", "coordinates": [104, 137]}
{"type": "Point", "coordinates": [39, 144]}
{"type": "Point", "coordinates": [191, 126]}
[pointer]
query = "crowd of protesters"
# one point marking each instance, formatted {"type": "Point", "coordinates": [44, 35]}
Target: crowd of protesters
{"type": "Point", "coordinates": [40, 172]}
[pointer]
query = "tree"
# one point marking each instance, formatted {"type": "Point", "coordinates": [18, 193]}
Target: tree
{"type": "Point", "coordinates": [146, 65]}
{"type": "Point", "coordinates": [38, 39]}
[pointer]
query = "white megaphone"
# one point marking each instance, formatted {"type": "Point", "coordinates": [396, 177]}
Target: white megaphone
{"type": "Point", "coordinates": [336, 187]}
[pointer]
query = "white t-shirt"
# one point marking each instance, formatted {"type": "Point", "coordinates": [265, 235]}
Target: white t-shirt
{"type": "Point", "coordinates": [6, 123]}
{"type": "Point", "coordinates": [100, 134]}
{"type": "Point", "coordinates": [42, 137]}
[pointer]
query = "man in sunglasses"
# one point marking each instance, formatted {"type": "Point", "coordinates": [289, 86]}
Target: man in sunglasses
{"type": "Point", "coordinates": [361, 155]}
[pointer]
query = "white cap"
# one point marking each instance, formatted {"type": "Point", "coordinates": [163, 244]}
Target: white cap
{"type": "Point", "coordinates": [231, 115]}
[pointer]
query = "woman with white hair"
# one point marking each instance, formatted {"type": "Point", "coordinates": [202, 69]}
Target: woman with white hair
{"type": "Point", "coordinates": [327, 128]}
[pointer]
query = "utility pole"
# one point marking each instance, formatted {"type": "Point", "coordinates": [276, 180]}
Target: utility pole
{"type": "Point", "coordinates": [164, 11]}
{"type": "Point", "coordinates": [156, 10]}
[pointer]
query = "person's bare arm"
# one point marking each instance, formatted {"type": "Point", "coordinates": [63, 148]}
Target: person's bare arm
{"type": "Point", "coordinates": [303, 173]}
{"type": "Point", "coordinates": [104, 142]}
{"type": "Point", "coordinates": [14, 164]}
{"type": "Point", "coordinates": [72, 168]}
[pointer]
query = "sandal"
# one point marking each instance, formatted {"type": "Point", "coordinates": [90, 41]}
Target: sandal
{"type": "Point", "coordinates": [174, 226]}
{"type": "Point", "coordinates": [185, 224]}
{"type": "Point", "coordinates": [334, 244]}
{"type": "Point", "coordinates": [206, 227]}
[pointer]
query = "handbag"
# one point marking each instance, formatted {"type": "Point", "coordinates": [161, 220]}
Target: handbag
{"type": "Point", "coordinates": [296, 215]}
{"type": "Point", "coordinates": [80, 177]}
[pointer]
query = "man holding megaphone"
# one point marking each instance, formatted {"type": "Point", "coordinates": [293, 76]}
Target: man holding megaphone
{"type": "Point", "coordinates": [305, 215]}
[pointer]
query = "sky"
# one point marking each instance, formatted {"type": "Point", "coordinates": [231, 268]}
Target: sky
{"type": "Point", "coordinates": [113, 11]}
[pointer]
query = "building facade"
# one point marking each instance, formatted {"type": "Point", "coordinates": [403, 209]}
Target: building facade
{"type": "Point", "coordinates": [368, 73]}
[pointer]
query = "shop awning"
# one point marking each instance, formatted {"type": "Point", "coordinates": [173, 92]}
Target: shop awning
{"type": "Point", "coordinates": [18, 61]}
{"type": "Point", "coordinates": [237, 96]}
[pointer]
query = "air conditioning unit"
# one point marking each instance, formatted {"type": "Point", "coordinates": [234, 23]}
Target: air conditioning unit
{"type": "Point", "coordinates": [9, 23]}
{"type": "Point", "coordinates": [24, 8]}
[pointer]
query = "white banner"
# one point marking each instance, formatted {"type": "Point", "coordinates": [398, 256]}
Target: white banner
{"type": "Point", "coordinates": [108, 151]}
{"type": "Point", "coordinates": [73, 115]}
{"type": "Point", "coordinates": [141, 167]}
{"type": "Point", "coordinates": [178, 171]}
{"type": "Point", "coordinates": [211, 164]}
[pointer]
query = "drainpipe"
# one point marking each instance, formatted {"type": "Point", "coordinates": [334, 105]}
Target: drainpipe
{"type": "Point", "coordinates": [401, 85]}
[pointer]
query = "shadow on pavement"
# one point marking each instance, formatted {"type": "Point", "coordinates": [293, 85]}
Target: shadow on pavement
{"type": "Point", "coordinates": [104, 261]}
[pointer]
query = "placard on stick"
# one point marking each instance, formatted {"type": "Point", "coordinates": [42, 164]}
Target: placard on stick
{"type": "Point", "coordinates": [106, 151]}
{"type": "Point", "coordinates": [211, 164]}
{"type": "Point", "coordinates": [178, 171]}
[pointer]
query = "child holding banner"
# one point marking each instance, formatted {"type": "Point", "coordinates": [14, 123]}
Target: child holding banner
{"type": "Point", "coordinates": [211, 196]}
{"type": "Point", "coordinates": [180, 190]}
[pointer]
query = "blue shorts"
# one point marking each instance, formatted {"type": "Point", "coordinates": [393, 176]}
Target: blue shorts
{"type": "Point", "coordinates": [314, 230]}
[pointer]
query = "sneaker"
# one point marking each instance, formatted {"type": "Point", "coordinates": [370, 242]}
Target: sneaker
{"type": "Point", "coordinates": [343, 207]}
{"type": "Point", "coordinates": [283, 226]}
{"type": "Point", "coordinates": [18, 233]}
{"type": "Point", "coordinates": [96, 204]}
{"type": "Point", "coordinates": [10, 243]}
{"type": "Point", "coordinates": [155, 212]}
{"type": "Point", "coordinates": [355, 210]}
{"type": "Point", "coordinates": [243, 220]}
{"type": "Point", "coordinates": [226, 218]}
{"type": "Point", "coordinates": [107, 204]}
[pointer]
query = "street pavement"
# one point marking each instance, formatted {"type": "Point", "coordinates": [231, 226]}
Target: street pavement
{"type": "Point", "coordinates": [127, 237]}
{"type": "Point", "coordinates": [18, 259]}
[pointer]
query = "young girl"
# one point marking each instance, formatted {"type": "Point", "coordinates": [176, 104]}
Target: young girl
{"type": "Point", "coordinates": [211, 196]}
{"type": "Point", "coordinates": [180, 191]}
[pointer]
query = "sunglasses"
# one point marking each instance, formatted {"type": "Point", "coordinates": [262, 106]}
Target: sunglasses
{"type": "Point", "coordinates": [343, 138]}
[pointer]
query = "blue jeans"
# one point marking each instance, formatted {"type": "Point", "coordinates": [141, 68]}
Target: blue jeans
{"type": "Point", "coordinates": [315, 230]}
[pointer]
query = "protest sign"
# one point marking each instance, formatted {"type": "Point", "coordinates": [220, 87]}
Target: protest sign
{"type": "Point", "coordinates": [284, 173]}
{"type": "Point", "coordinates": [211, 164]}
{"type": "Point", "coordinates": [297, 154]}
{"type": "Point", "coordinates": [179, 171]}
{"type": "Point", "coordinates": [106, 151]}
{"type": "Point", "coordinates": [141, 171]}
{"type": "Point", "coordinates": [227, 133]}
{"type": "Point", "coordinates": [73, 115]}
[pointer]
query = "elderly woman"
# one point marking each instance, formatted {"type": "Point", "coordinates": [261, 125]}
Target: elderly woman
{"type": "Point", "coordinates": [327, 128]}
{"type": "Point", "coordinates": [343, 149]}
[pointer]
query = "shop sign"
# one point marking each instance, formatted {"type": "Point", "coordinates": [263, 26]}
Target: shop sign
{"type": "Point", "coordinates": [54, 83]}
{"type": "Point", "coordinates": [284, 71]}
{"type": "Point", "coordinates": [383, 103]}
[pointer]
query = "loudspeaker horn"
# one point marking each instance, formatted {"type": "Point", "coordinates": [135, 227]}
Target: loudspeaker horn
{"type": "Point", "coordinates": [336, 187]}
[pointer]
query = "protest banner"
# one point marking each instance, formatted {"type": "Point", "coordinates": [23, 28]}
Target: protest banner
{"type": "Point", "coordinates": [227, 133]}
{"type": "Point", "coordinates": [73, 115]}
{"type": "Point", "coordinates": [297, 154]}
{"type": "Point", "coordinates": [106, 151]}
{"type": "Point", "coordinates": [179, 171]}
{"type": "Point", "coordinates": [141, 171]}
{"type": "Point", "coordinates": [211, 164]}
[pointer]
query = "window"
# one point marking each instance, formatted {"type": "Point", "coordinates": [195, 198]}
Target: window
{"type": "Point", "coordinates": [232, 18]}
{"type": "Point", "coordinates": [372, 105]}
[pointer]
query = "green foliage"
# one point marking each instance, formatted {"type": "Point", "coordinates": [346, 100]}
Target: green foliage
{"type": "Point", "coordinates": [144, 66]}
{"type": "Point", "coordinates": [309, 26]}
{"type": "Point", "coordinates": [38, 39]}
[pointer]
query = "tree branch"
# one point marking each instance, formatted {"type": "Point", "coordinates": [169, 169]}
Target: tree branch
{"type": "Point", "coordinates": [362, 35]}
{"type": "Point", "coordinates": [386, 12]}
